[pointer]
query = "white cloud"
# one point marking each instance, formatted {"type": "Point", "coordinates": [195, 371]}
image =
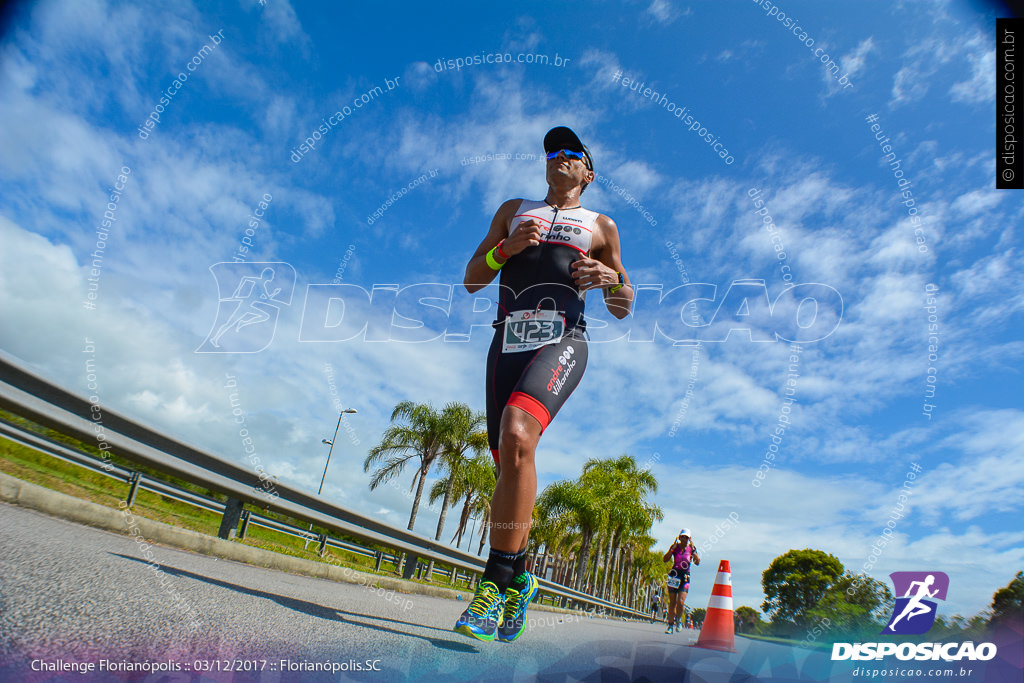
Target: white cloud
{"type": "Point", "coordinates": [665, 11]}
{"type": "Point", "coordinates": [851, 65]}
{"type": "Point", "coordinates": [975, 202]}
{"type": "Point", "coordinates": [981, 84]}
{"type": "Point", "coordinates": [993, 475]}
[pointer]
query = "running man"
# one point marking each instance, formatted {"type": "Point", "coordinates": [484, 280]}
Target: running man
{"type": "Point", "coordinates": [682, 553]}
{"type": "Point", "coordinates": [914, 606]}
{"type": "Point", "coordinates": [252, 295]}
{"type": "Point", "coordinates": [654, 607]}
{"type": "Point", "coordinates": [549, 253]}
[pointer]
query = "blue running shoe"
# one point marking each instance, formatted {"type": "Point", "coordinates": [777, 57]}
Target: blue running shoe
{"type": "Point", "coordinates": [480, 620]}
{"type": "Point", "coordinates": [513, 622]}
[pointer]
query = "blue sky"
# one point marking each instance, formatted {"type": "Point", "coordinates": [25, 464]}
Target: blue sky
{"type": "Point", "coordinates": [78, 80]}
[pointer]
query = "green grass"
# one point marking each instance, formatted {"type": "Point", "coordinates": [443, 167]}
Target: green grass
{"type": "Point", "coordinates": [53, 473]}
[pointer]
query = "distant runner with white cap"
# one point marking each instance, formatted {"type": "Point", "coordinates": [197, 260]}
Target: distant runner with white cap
{"type": "Point", "coordinates": [682, 553]}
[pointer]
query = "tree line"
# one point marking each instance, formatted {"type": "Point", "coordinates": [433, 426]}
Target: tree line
{"type": "Point", "coordinates": [810, 597]}
{"type": "Point", "coordinates": [593, 533]}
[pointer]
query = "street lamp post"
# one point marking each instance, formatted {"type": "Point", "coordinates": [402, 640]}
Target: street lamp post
{"type": "Point", "coordinates": [330, 442]}
{"type": "Point", "coordinates": [347, 411]}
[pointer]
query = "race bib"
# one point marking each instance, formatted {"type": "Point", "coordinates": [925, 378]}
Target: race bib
{"type": "Point", "coordinates": [674, 581]}
{"type": "Point", "coordinates": [529, 330]}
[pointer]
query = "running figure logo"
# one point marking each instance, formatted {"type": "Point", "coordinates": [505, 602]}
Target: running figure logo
{"type": "Point", "coordinates": [914, 613]}
{"type": "Point", "coordinates": [247, 317]}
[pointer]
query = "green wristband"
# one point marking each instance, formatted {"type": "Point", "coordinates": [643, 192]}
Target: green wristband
{"type": "Point", "coordinates": [491, 262]}
{"type": "Point", "coordinates": [622, 282]}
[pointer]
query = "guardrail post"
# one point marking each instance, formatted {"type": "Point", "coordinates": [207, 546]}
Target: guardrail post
{"type": "Point", "coordinates": [134, 490]}
{"type": "Point", "coordinates": [229, 522]}
{"type": "Point", "coordinates": [380, 558]}
{"type": "Point", "coordinates": [323, 545]}
{"type": "Point", "coordinates": [454, 577]}
{"type": "Point", "coordinates": [410, 566]}
{"type": "Point", "coordinates": [245, 523]}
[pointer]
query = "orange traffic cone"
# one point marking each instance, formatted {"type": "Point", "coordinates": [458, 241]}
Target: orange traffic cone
{"type": "Point", "coordinates": [717, 632]}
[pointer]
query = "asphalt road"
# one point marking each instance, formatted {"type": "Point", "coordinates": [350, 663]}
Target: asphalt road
{"type": "Point", "coordinates": [72, 596]}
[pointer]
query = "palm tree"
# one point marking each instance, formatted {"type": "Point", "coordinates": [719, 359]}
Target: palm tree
{"type": "Point", "coordinates": [649, 570]}
{"type": "Point", "coordinates": [423, 436]}
{"type": "Point", "coordinates": [553, 527]}
{"type": "Point", "coordinates": [633, 569]}
{"type": "Point", "coordinates": [465, 432]}
{"type": "Point", "coordinates": [607, 513]}
{"type": "Point", "coordinates": [629, 512]}
{"type": "Point", "coordinates": [583, 504]}
{"type": "Point", "coordinates": [483, 508]}
{"type": "Point", "coordinates": [474, 485]}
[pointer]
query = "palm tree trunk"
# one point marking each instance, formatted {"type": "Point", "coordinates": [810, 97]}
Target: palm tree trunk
{"type": "Point", "coordinates": [463, 522]}
{"type": "Point", "coordinates": [624, 578]}
{"type": "Point", "coordinates": [483, 531]}
{"type": "Point", "coordinates": [615, 589]}
{"type": "Point", "coordinates": [592, 586]}
{"type": "Point", "coordinates": [616, 586]}
{"type": "Point", "coordinates": [444, 506]}
{"type": "Point", "coordinates": [607, 566]}
{"type": "Point", "coordinates": [595, 564]}
{"type": "Point", "coordinates": [581, 565]}
{"type": "Point", "coordinates": [416, 500]}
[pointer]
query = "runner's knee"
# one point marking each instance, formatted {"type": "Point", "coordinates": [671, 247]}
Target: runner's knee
{"type": "Point", "coordinates": [518, 444]}
{"type": "Point", "coordinates": [520, 433]}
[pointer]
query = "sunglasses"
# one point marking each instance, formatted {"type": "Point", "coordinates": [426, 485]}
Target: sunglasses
{"type": "Point", "coordinates": [567, 152]}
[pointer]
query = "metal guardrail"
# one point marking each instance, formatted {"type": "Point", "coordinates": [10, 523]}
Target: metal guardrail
{"type": "Point", "coordinates": [26, 394]}
{"type": "Point", "coordinates": [44, 444]}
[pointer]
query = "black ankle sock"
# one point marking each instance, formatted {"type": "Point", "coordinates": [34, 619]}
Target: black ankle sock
{"type": "Point", "coordinates": [500, 568]}
{"type": "Point", "coordinates": [519, 570]}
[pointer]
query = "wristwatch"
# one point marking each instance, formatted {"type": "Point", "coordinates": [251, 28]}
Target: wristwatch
{"type": "Point", "coordinates": [622, 282]}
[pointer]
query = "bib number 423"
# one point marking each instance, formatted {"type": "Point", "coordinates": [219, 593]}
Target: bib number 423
{"type": "Point", "coordinates": [528, 330]}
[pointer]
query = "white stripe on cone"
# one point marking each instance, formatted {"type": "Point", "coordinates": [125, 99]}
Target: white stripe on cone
{"type": "Point", "coordinates": [720, 602]}
{"type": "Point", "coordinates": [723, 578]}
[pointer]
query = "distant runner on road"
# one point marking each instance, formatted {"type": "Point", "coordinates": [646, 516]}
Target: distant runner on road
{"type": "Point", "coordinates": [549, 253]}
{"type": "Point", "coordinates": [682, 553]}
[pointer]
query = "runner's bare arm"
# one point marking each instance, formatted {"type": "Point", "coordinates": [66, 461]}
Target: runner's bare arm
{"type": "Point", "coordinates": [669, 553]}
{"type": "Point", "coordinates": [478, 273]}
{"type": "Point", "coordinates": [602, 270]}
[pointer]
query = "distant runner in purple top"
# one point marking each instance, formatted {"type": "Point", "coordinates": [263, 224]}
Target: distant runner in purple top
{"type": "Point", "coordinates": [682, 553]}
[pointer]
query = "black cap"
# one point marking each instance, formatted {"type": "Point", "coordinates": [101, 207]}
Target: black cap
{"type": "Point", "coordinates": [563, 138]}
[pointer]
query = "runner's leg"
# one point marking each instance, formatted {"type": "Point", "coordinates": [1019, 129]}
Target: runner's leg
{"type": "Point", "coordinates": [516, 489]}
{"type": "Point", "coordinates": [551, 376]}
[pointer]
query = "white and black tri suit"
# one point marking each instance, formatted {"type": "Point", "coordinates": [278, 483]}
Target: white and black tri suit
{"type": "Point", "coordinates": [539, 350]}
